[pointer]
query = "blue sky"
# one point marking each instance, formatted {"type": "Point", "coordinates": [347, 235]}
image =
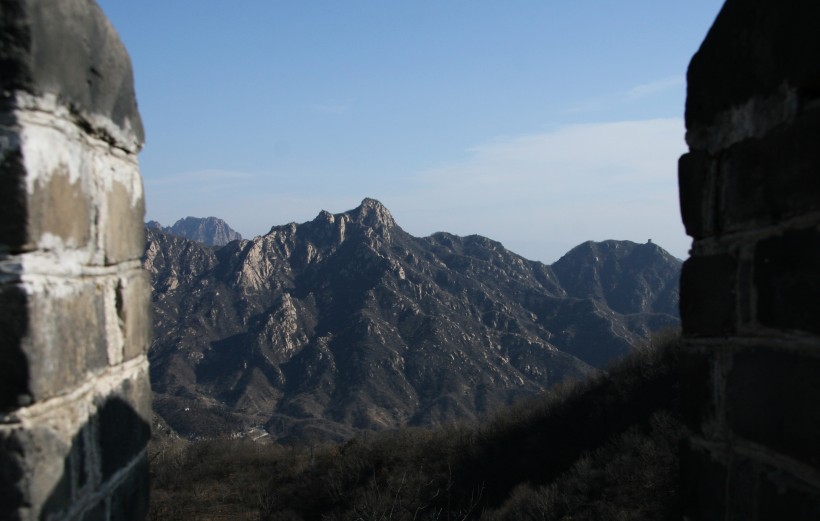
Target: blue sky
{"type": "Point", "coordinates": [540, 124]}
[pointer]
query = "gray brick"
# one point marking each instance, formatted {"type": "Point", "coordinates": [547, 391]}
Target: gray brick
{"type": "Point", "coordinates": [66, 338]}
{"type": "Point", "coordinates": [12, 472]}
{"type": "Point", "coordinates": [13, 201]}
{"type": "Point", "coordinates": [772, 178]}
{"type": "Point", "coordinates": [62, 208]}
{"type": "Point", "coordinates": [703, 484]}
{"type": "Point", "coordinates": [14, 371]}
{"type": "Point", "coordinates": [134, 311]}
{"type": "Point", "coordinates": [770, 395]}
{"type": "Point", "coordinates": [752, 50]}
{"type": "Point", "coordinates": [707, 295]}
{"type": "Point", "coordinates": [696, 190]}
{"type": "Point", "coordinates": [697, 388]}
{"type": "Point", "coordinates": [787, 279]}
{"type": "Point", "coordinates": [124, 232]}
{"type": "Point", "coordinates": [39, 471]}
{"type": "Point", "coordinates": [129, 502]}
{"type": "Point", "coordinates": [781, 497]}
{"type": "Point", "coordinates": [123, 425]}
{"type": "Point", "coordinates": [68, 48]}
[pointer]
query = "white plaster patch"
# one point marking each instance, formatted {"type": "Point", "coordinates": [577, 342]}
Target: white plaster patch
{"type": "Point", "coordinates": [51, 288]}
{"type": "Point", "coordinates": [57, 261]}
{"type": "Point", "coordinates": [47, 150]}
{"type": "Point", "coordinates": [115, 339]}
{"type": "Point", "coordinates": [118, 168]}
{"type": "Point", "coordinates": [49, 103]}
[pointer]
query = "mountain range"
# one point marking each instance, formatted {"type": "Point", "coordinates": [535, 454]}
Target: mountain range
{"type": "Point", "coordinates": [346, 323]}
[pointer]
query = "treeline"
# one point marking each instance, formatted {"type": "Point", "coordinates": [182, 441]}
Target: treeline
{"type": "Point", "coordinates": [604, 448]}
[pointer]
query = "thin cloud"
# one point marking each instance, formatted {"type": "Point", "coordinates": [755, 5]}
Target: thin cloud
{"type": "Point", "coordinates": [654, 87]}
{"type": "Point", "coordinates": [340, 108]}
{"type": "Point", "coordinates": [636, 93]}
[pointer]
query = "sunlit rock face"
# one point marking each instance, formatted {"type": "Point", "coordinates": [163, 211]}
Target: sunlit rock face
{"type": "Point", "coordinates": [346, 322]}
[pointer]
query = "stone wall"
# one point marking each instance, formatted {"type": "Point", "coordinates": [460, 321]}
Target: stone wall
{"type": "Point", "coordinates": [750, 293]}
{"type": "Point", "coordinates": [75, 401]}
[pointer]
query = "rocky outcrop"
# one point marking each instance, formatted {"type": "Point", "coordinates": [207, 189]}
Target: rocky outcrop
{"type": "Point", "coordinates": [347, 322]}
{"type": "Point", "coordinates": [207, 230]}
{"type": "Point", "coordinates": [75, 401]}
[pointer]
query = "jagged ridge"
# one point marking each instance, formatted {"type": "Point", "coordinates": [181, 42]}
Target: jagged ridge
{"type": "Point", "coordinates": [347, 322]}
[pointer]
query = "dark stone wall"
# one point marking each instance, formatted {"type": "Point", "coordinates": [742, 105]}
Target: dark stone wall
{"type": "Point", "coordinates": [75, 399]}
{"type": "Point", "coordinates": [750, 292]}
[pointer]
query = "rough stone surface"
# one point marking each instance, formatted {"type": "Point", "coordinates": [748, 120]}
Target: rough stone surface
{"type": "Point", "coordinates": [779, 383]}
{"type": "Point", "coordinates": [750, 197]}
{"type": "Point", "coordinates": [124, 425]}
{"type": "Point", "coordinates": [696, 193]}
{"type": "Point", "coordinates": [787, 280]}
{"type": "Point", "coordinates": [756, 53]}
{"type": "Point", "coordinates": [61, 207]}
{"type": "Point", "coordinates": [708, 296]}
{"type": "Point", "coordinates": [74, 394]}
{"type": "Point", "coordinates": [14, 371]}
{"type": "Point", "coordinates": [123, 234]}
{"type": "Point", "coordinates": [134, 313]}
{"type": "Point", "coordinates": [67, 336]}
{"type": "Point", "coordinates": [702, 482]}
{"type": "Point", "coordinates": [69, 49]}
{"type": "Point", "coordinates": [14, 210]}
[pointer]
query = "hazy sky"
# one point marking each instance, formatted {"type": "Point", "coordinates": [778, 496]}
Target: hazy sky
{"type": "Point", "coordinates": [537, 123]}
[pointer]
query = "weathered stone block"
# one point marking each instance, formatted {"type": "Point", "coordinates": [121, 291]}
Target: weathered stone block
{"type": "Point", "coordinates": [773, 178]}
{"type": "Point", "coordinates": [697, 388]}
{"type": "Point", "coordinates": [134, 312]}
{"type": "Point", "coordinates": [753, 49]}
{"type": "Point", "coordinates": [14, 369]}
{"type": "Point", "coordinates": [703, 484]}
{"type": "Point", "coordinates": [743, 482]}
{"type": "Point", "coordinates": [66, 335]}
{"type": "Point", "coordinates": [98, 512]}
{"type": "Point", "coordinates": [12, 471]}
{"type": "Point", "coordinates": [767, 392]}
{"type": "Point", "coordinates": [69, 49]}
{"type": "Point", "coordinates": [787, 279]}
{"type": "Point", "coordinates": [123, 424]}
{"type": "Point", "coordinates": [696, 191]}
{"type": "Point", "coordinates": [61, 208]}
{"type": "Point", "coordinates": [708, 295]}
{"type": "Point", "coordinates": [781, 497]}
{"type": "Point", "coordinates": [13, 201]}
{"type": "Point", "coordinates": [38, 475]}
{"type": "Point", "coordinates": [48, 196]}
{"type": "Point", "coordinates": [129, 502]}
{"type": "Point", "coordinates": [123, 232]}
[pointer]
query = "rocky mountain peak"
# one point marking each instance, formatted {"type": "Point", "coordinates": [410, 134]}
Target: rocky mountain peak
{"type": "Point", "coordinates": [210, 231]}
{"type": "Point", "coordinates": [373, 214]}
